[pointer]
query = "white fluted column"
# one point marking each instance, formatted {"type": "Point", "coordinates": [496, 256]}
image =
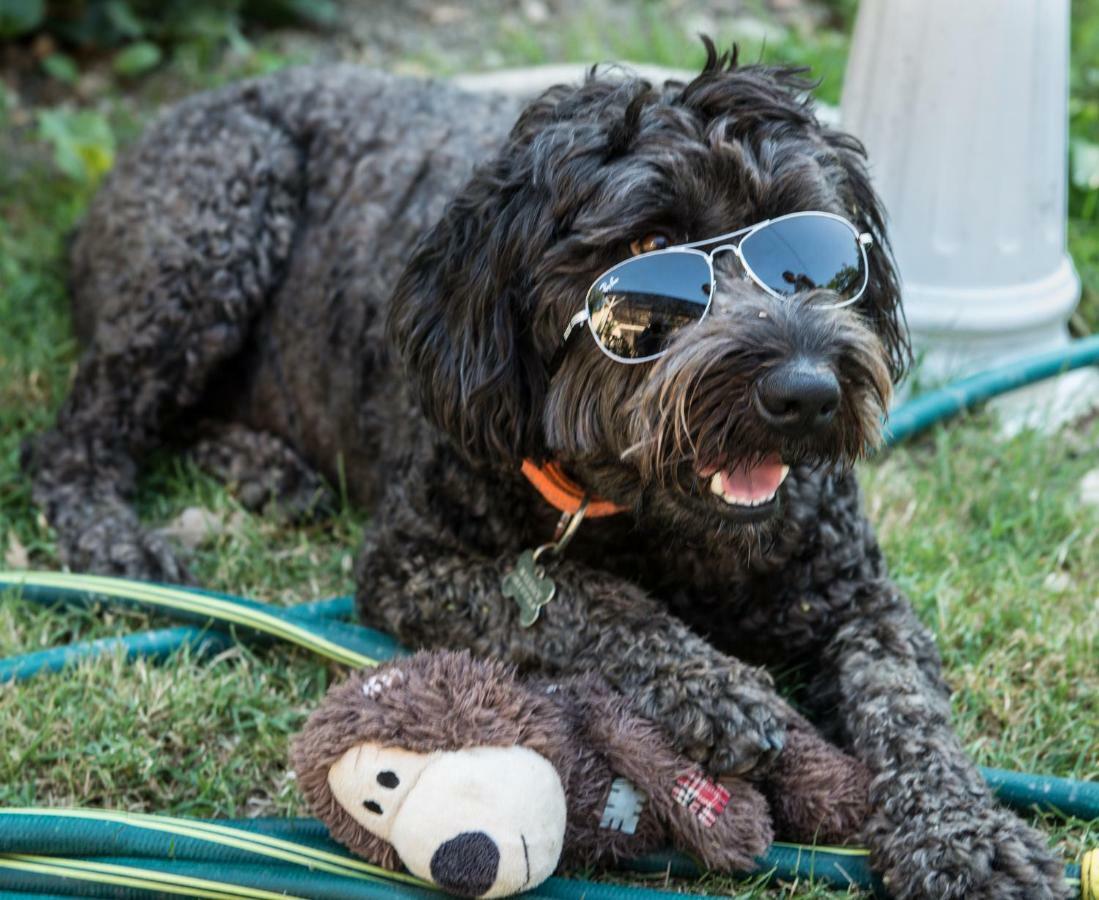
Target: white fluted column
{"type": "Point", "coordinates": [962, 105]}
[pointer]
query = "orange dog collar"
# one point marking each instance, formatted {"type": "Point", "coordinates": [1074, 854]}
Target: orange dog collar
{"type": "Point", "coordinates": [564, 494]}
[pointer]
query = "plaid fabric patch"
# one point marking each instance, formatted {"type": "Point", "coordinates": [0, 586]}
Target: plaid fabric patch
{"type": "Point", "coordinates": [705, 798]}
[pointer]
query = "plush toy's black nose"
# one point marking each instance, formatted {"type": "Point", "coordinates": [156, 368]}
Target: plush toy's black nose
{"type": "Point", "coordinates": [466, 864]}
{"type": "Point", "coordinates": [798, 397]}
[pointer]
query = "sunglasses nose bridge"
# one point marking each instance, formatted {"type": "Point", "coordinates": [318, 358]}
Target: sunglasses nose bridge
{"type": "Point", "coordinates": [736, 295]}
{"type": "Point", "coordinates": [726, 248]}
{"type": "Point", "coordinates": [728, 251]}
{"type": "Point", "coordinates": [728, 270]}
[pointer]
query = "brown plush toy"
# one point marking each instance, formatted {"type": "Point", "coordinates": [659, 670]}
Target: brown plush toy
{"type": "Point", "coordinates": [482, 783]}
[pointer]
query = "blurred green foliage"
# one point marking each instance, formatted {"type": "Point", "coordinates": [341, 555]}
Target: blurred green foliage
{"type": "Point", "coordinates": [1083, 202]}
{"type": "Point", "coordinates": [138, 31]}
{"type": "Point", "coordinates": [112, 23]}
{"type": "Point", "coordinates": [83, 142]}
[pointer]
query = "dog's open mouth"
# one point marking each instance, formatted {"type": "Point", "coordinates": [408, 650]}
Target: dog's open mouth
{"type": "Point", "coordinates": [748, 485]}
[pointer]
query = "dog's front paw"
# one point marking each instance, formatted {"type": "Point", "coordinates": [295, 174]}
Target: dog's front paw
{"type": "Point", "coordinates": [983, 854]}
{"type": "Point", "coordinates": [733, 726]}
{"type": "Point", "coordinates": [116, 545]}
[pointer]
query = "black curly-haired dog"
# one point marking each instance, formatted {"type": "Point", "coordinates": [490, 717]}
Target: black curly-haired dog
{"type": "Point", "coordinates": [306, 273]}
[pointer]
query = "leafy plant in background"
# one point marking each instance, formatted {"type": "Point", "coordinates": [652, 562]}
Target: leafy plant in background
{"type": "Point", "coordinates": [138, 31]}
{"type": "Point", "coordinates": [1083, 203]}
{"type": "Point", "coordinates": [82, 141]}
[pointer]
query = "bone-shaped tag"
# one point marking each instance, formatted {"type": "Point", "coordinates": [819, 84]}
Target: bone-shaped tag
{"type": "Point", "coordinates": [528, 585]}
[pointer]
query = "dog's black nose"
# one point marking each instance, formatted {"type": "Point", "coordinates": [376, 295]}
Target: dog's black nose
{"type": "Point", "coordinates": [798, 398]}
{"type": "Point", "coordinates": [466, 864]}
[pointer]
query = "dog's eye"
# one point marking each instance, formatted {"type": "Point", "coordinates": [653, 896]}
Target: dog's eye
{"type": "Point", "coordinates": [388, 779]}
{"type": "Point", "coordinates": [373, 806]}
{"type": "Point", "coordinates": [655, 241]}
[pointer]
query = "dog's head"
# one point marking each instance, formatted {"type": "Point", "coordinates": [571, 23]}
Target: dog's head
{"type": "Point", "coordinates": [591, 174]}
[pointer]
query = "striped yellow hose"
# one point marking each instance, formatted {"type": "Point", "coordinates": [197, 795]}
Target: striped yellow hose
{"type": "Point", "coordinates": [175, 856]}
{"type": "Point", "coordinates": [348, 644]}
{"type": "Point", "coordinates": [1089, 875]}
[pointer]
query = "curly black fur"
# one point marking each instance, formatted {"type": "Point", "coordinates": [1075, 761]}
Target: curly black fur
{"type": "Point", "coordinates": [259, 256]}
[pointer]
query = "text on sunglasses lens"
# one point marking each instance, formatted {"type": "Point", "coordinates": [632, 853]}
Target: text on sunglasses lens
{"type": "Point", "coordinates": [636, 307]}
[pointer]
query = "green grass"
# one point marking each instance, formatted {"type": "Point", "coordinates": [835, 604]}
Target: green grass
{"type": "Point", "coordinates": [1083, 233]}
{"type": "Point", "coordinates": [989, 537]}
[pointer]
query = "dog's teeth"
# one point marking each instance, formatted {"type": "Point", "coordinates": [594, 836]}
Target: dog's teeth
{"type": "Point", "coordinates": [717, 487]}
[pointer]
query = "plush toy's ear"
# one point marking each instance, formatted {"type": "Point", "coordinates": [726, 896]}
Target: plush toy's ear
{"type": "Point", "coordinates": [881, 303]}
{"type": "Point", "coordinates": [460, 316]}
{"type": "Point", "coordinates": [336, 726]}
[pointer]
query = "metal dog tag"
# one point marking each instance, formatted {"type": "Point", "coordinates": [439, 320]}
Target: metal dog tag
{"type": "Point", "coordinates": [528, 585]}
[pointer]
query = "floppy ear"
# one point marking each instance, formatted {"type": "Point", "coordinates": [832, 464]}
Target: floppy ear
{"type": "Point", "coordinates": [461, 313]}
{"type": "Point", "coordinates": [881, 303]}
{"type": "Point", "coordinates": [344, 718]}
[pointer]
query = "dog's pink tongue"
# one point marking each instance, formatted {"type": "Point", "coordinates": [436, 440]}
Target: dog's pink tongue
{"type": "Point", "coordinates": [756, 482]}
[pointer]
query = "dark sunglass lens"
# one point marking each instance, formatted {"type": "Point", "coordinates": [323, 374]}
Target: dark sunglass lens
{"type": "Point", "coordinates": [637, 307]}
{"type": "Point", "coordinates": [804, 253]}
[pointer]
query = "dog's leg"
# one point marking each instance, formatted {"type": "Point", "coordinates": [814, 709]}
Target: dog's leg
{"type": "Point", "coordinates": [718, 710]}
{"type": "Point", "coordinates": [261, 469]}
{"type": "Point", "coordinates": [175, 258]}
{"type": "Point", "coordinates": [935, 831]}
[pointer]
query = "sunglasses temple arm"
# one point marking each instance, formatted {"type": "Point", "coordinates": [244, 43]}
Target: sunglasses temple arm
{"type": "Point", "coordinates": [579, 319]}
{"type": "Point", "coordinates": [570, 329]}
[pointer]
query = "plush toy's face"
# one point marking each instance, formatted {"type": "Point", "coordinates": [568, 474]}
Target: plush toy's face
{"type": "Point", "coordinates": [480, 822]}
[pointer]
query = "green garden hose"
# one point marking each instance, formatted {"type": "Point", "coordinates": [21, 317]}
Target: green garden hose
{"type": "Point", "coordinates": [40, 846]}
{"type": "Point", "coordinates": [137, 878]}
{"type": "Point", "coordinates": [24, 866]}
{"type": "Point", "coordinates": [154, 645]}
{"type": "Point", "coordinates": [928, 409]}
{"type": "Point", "coordinates": [1045, 793]}
{"type": "Point", "coordinates": [351, 645]}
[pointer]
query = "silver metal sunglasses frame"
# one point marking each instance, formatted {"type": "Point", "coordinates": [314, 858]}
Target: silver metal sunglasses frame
{"type": "Point", "coordinates": [862, 239]}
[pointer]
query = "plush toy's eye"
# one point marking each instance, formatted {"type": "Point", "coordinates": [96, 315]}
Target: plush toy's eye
{"type": "Point", "coordinates": [388, 779]}
{"type": "Point", "coordinates": [657, 240]}
{"type": "Point", "coordinates": [373, 807]}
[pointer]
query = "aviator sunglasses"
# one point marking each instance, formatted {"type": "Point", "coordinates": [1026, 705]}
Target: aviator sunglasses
{"type": "Point", "coordinates": [636, 307]}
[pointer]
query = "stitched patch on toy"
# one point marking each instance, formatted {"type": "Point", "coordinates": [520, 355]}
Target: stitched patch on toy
{"type": "Point", "coordinates": [625, 803]}
{"type": "Point", "coordinates": [373, 687]}
{"type": "Point", "coordinates": [705, 798]}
